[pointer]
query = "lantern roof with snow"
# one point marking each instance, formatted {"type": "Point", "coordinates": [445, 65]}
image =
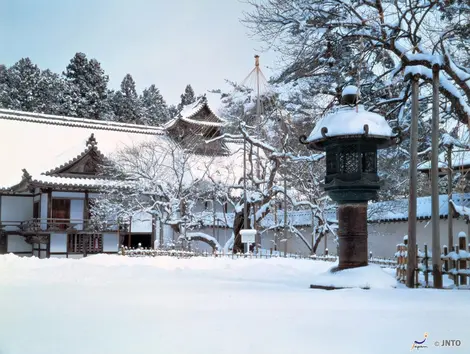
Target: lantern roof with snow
{"type": "Point", "coordinates": [350, 120]}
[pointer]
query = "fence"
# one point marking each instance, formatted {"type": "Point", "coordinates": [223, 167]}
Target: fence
{"type": "Point", "coordinates": [455, 263]}
{"type": "Point", "coordinates": [144, 252]}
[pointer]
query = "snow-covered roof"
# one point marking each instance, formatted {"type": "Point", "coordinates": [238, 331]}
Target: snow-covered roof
{"type": "Point", "coordinates": [189, 112]}
{"type": "Point", "coordinates": [40, 142]}
{"type": "Point", "coordinates": [350, 121]}
{"type": "Point", "coordinates": [460, 158]}
{"type": "Point", "coordinates": [397, 210]}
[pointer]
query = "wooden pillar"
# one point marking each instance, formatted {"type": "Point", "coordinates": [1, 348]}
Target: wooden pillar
{"type": "Point", "coordinates": [450, 229]}
{"type": "Point", "coordinates": [129, 232]}
{"type": "Point", "coordinates": [412, 209]}
{"type": "Point", "coordinates": [154, 231]}
{"type": "Point", "coordinates": [49, 205]}
{"type": "Point", "coordinates": [86, 211]}
{"type": "Point", "coordinates": [352, 236]}
{"type": "Point", "coordinates": [436, 239]}
{"type": "Point", "coordinates": [463, 263]}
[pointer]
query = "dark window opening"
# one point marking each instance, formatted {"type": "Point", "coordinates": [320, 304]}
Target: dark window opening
{"type": "Point", "coordinates": [144, 239]}
{"type": "Point", "coordinates": [36, 210]}
{"type": "Point", "coordinates": [61, 213]}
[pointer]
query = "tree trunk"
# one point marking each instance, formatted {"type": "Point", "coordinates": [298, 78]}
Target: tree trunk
{"type": "Point", "coordinates": [238, 223]}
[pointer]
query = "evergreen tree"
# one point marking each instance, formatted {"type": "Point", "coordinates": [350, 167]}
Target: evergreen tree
{"type": "Point", "coordinates": [127, 105]}
{"type": "Point", "coordinates": [3, 85]}
{"type": "Point", "coordinates": [87, 87]}
{"type": "Point", "coordinates": [172, 111]}
{"type": "Point", "coordinates": [21, 84]}
{"type": "Point", "coordinates": [187, 97]}
{"type": "Point", "coordinates": [51, 90]}
{"type": "Point", "coordinates": [154, 108]}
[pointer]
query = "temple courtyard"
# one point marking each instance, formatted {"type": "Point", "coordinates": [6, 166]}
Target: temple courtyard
{"type": "Point", "coordinates": [115, 304]}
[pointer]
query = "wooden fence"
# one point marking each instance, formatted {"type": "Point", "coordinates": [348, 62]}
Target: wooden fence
{"type": "Point", "coordinates": [145, 252]}
{"type": "Point", "coordinates": [455, 263]}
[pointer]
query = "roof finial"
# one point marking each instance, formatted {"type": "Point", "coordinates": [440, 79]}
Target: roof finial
{"type": "Point", "coordinates": [91, 140]}
{"type": "Point", "coordinates": [256, 60]}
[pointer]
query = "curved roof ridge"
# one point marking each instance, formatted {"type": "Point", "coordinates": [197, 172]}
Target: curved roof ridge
{"type": "Point", "coordinates": [79, 122]}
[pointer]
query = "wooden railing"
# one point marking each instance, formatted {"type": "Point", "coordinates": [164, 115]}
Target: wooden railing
{"type": "Point", "coordinates": [456, 263]}
{"type": "Point", "coordinates": [66, 225]}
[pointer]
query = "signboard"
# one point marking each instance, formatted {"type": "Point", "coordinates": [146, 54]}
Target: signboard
{"type": "Point", "coordinates": [248, 236]}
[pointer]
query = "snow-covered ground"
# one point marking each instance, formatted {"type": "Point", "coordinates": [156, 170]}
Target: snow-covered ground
{"type": "Point", "coordinates": [114, 304]}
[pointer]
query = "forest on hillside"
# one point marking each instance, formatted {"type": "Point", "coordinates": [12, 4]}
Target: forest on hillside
{"type": "Point", "coordinates": [81, 90]}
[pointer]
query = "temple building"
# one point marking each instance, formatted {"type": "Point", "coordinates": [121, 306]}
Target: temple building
{"type": "Point", "coordinates": [196, 124]}
{"type": "Point", "coordinates": [52, 173]}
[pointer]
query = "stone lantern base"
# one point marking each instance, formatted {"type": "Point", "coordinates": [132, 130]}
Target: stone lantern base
{"type": "Point", "coordinates": [352, 236]}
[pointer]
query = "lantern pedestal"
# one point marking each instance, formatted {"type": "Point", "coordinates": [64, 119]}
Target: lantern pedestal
{"type": "Point", "coordinates": [352, 236]}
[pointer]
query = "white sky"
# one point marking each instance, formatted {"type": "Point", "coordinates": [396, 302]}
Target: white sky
{"type": "Point", "coordinates": [168, 43]}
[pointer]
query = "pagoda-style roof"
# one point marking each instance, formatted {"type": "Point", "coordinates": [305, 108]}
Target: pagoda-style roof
{"type": "Point", "coordinates": [198, 113]}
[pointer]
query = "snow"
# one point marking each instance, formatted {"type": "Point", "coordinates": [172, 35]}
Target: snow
{"type": "Point", "coordinates": [398, 209]}
{"type": "Point", "coordinates": [348, 121]}
{"type": "Point", "coordinates": [371, 277]}
{"type": "Point", "coordinates": [43, 143]}
{"type": "Point", "coordinates": [350, 90]}
{"type": "Point", "coordinates": [123, 305]}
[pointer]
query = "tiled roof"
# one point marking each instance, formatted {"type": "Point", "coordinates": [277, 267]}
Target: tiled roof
{"type": "Point", "coordinates": [397, 210]}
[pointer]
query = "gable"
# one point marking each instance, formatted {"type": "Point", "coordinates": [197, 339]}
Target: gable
{"type": "Point", "coordinates": [88, 165]}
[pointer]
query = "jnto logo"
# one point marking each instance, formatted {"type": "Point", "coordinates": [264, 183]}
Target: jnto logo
{"type": "Point", "coordinates": [420, 344]}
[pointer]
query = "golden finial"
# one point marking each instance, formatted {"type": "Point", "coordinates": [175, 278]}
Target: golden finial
{"type": "Point", "coordinates": [256, 60]}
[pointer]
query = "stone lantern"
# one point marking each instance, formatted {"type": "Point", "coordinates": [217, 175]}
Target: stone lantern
{"type": "Point", "coordinates": [350, 137]}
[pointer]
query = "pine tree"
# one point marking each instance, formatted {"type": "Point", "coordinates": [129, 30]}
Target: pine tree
{"type": "Point", "coordinates": [154, 108]}
{"type": "Point", "coordinates": [3, 85]}
{"type": "Point", "coordinates": [87, 87]}
{"type": "Point", "coordinates": [51, 89]}
{"type": "Point", "coordinates": [172, 111]}
{"type": "Point", "coordinates": [187, 97]}
{"type": "Point", "coordinates": [22, 80]}
{"type": "Point", "coordinates": [127, 105]}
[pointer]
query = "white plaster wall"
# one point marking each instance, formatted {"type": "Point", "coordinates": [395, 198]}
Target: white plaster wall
{"type": "Point", "coordinates": [75, 256]}
{"type": "Point", "coordinates": [43, 210]}
{"type": "Point", "coordinates": [76, 213]}
{"type": "Point", "coordinates": [58, 256]}
{"type": "Point", "coordinates": [58, 242]}
{"type": "Point", "coordinates": [14, 210]}
{"type": "Point", "coordinates": [110, 242]}
{"type": "Point", "coordinates": [384, 237]}
{"type": "Point", "coordinates": [17, 243]}
{"type": "Point", "coordinates": [93, 195]}
{"type": "Point", "coordinates": [141, 222]}
{"type": "Point", "coordinates": [58, 194]}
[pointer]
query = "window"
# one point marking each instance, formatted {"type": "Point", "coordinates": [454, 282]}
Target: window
{"type": "Point", "coordinates": [77, 243]}
{"type": "Point", "coordinates": [36, 210]}
{"type": "Point", "coordinates": [61, 213]}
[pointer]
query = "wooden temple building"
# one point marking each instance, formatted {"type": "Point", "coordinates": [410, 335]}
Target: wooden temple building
{"type": "Point", "coordinates": [51, 175]}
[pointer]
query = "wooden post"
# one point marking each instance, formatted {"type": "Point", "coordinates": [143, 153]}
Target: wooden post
{"type": "Point", "coordinates": [416, 273]}
{"type": "Point", "coordinates": [129, 232]}
{"type": "Point", "coordinates": [412, 209]}
{"type": "Point", "coordinates": [456, 266]}
{"type": "Point", "coordinates": [435, 218]}
{"type": "Point", "coordinates": [446, 261]}
{"type": "Point", "coordinates": [463, 263]}
{"type": "Point", "coordinates": [426, 258]}
{"type": "Point", "coordinates": [450, 231]}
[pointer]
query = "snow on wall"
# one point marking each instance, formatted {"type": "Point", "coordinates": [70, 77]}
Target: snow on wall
{"type": "Point", "coordinates": [141, 222]}
{"type": "Point", "coordinates": [43, 210]}
{"type": "Point", "coordinates": [58, 242]}
{"type": "Point", "coordinates": [16, 209]}
{"type": "Point", "coordinates": [58, 194]}
{"type": "Point", "coordinates": [76, 212]}
{"type": "Point", "coordinates": [110, 242]}
{"type": "Point", "coordinates": [17, 243]}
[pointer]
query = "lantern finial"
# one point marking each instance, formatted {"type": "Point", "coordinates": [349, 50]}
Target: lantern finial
{"type": "Point", "coordinates": [349, 95]}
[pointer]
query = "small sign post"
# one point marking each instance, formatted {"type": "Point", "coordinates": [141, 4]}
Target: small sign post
{"type": "Point", "coordinates": [248, 237]}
